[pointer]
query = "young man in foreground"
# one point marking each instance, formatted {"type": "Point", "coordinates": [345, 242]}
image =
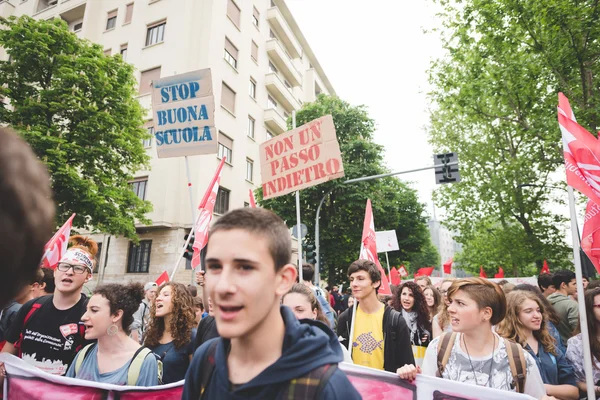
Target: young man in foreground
{"type": "Point", "coordinates": [263, 351]}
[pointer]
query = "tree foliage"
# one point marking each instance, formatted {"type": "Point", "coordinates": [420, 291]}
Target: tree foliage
{"type": "Point", "coordinates": [395, 205]}
{"type": "Point", "coordinates": [495, 96]}
{"type": "Point", "coordinates": [77, 109]}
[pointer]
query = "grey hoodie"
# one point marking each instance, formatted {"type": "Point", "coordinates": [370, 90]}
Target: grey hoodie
{"type": "Point", "coordinates": [568, 311]}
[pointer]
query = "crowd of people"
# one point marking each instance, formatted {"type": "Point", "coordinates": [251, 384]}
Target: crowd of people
{"type": "Point", "coordinates": [258, 332]}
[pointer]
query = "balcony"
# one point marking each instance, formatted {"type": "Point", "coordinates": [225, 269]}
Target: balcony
{"type": "Point", "coordinates": [283, 62]}
{"type": "Point", "coordinates": [280, 92]}
{"type": "Point", "coordinates": [279, 25]}
{"type": "Point", "coordinates": [45, 4]}
{"type": "Point", "coordinates": [6, 9]}
{"type": "Point", "coordinates": [274, 121]}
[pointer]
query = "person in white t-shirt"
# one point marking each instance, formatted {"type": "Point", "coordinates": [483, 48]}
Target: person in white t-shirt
{"type": "Point", "coordinates": [478, 356]}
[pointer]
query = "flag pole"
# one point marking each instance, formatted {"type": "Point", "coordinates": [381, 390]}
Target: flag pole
{"type": "Point", "coordinates": [387, 260]}
{"type": "Point", "coordinates": [189, 184]}
{"type": "Point", "coordinates": [587, 354]}
{"type": "Point", "coordinates": [298, 230]}
{"type": "Point", "coordinates": [350, 338]}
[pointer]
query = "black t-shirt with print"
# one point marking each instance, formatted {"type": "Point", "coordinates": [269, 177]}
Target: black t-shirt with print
{"type": "Point", "coordinates": [51, 337]}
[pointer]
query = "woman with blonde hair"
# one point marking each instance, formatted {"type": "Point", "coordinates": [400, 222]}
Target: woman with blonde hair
{"type": "Point", "coordinates": [433, 299]}
{"type": "Point", "coordinates": [441, 321]}
{"type": "Point", "coordinates": [525, 323]}
{"type": "Point", "coordinates": [474, 353]}
{"type": "Point", "coordinates": [171, 331]}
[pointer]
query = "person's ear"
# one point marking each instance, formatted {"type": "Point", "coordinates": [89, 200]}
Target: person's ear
{"type": "Point", "coordinates": [486, 314]}
{"type": "Point", "coordinates": [116, 317]}
{"type": "Point", "coordinates": [286, 277]}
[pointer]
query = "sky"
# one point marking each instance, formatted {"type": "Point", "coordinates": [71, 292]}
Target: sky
{"type": "Point", "coordinates": [378, 55]}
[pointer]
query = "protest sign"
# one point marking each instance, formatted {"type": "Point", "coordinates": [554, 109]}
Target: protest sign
{"type": "Point", "coordinates": [387, 241]}
{"type": "Point", "coordinates": [300, 158]}
{"type": "Point", "coordinates": [184, 115]}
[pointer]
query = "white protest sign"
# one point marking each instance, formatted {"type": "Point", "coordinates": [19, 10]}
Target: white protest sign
{"type": "Point", "coordinates": [184, 115]}
{"type": "Point", "coordinates": [387, 241]}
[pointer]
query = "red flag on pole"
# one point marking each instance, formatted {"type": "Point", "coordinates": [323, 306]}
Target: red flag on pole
{"type": "Point", "coordinates": [545, 269]}
{"type": "Point", "coordinates": [590, 241]}
{"type": "Point", "coordinates": [252, 201]}
{"type": "Point", "coordinates": [448, 267]}
{"type": "Point", "coordinates": [424, 271]}
{"type": "Point", "coordinates": [395, 276]}
{"type": "Point", "coordinates": [164, 277]}
{"type": "Point", "coordinates": [206, 208]}
{"type": "Point", "coordinates": [581, 151]}
{"type": "Point", "coordinates": [402, 270]}
{"type": "Point", "coordinates": [482, 273]}
{"type": "Point", "coordinates": [500, 273]}
{"type": "Point", "coordinates": [368, 248]}
{"type": "Point", "coordinates": [57, 246]}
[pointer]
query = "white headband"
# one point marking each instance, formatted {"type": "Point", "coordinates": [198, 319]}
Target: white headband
{"type": "Point", "coordinates": [78, 256]}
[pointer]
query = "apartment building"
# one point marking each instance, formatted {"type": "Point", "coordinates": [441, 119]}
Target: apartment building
{"type": "Point", "coordinates": [443, 240]}
{"type": "Point", "coordinates": [262, 69]}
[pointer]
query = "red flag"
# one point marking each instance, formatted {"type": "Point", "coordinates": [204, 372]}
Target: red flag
{"type": "Point", "coordinates": [545, 269]}
{"type": "Point", "coordinates": [368, 248]}
{"type": "Point", "coordinates": [590, 241]}
{"type": "Point", "coordinates": [395, 276]}
{"type": "Point", "coordinates": [57, 246]}
{"type": "Point", "coordinates": [206, 208]}
{"type": "Point", "coordinates": [424, 271]}
{"type": "Point", "coordinates": [402, 270]}
{"type": "Point", "coordinates": [448, 267]}
{"type": "Point", "coordinates": [500, 273]}
{"type": "Point", "coordinates": [581, 151]}
{"type": "Point", "coordinates": [482, 273]}
{"type": "Point", "coordinates": [252, 201]}
{"type": "Point", "coordinates": [164, 277]}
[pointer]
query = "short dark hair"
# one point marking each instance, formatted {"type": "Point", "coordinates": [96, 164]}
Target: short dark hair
{"type": "Point", "coordinates": [562, 276]}
{"type": "Point", "coordinates": [48, 280]}
{"type": "Point", "coordinates": [122, 297]}
{"type": "Point", "coordinates": [544, 281]}
{"type": "Point", "coordinates": [265, 223]}
{"type": "Point", "coordinates": [26, 213]}
{"type": "Point", "coordinates": [308, 272]}
{"type": "Point", "coordinates": [193, 290]}
{"type": "Point", "coordinates": [593, 285]}
{"type": "Point", "coordinates": [368, 266]}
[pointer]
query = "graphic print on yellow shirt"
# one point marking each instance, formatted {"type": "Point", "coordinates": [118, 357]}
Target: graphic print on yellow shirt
{"type": "Point", "coordinates": [367, 341]}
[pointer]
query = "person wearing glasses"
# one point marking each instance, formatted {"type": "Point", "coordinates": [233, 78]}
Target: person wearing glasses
{"type": "Point", "coordinates": [46, 333]}
{"type": "Point", "coordinates": [575, 344]}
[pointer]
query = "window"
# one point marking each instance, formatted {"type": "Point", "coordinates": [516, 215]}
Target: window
{"type": "Point", "coordinates": [128, 13]}
{"type": "Point", "coordinates": [156, 33]}
{"type": "Point", "coordinates": [231, 53]}
{"type": "Point", "coordinates": [271, 103]}
{"type": "Point", "coordinates": [269, 135]}
{"type": "Point", "coordinates": [138, 260]}
{"type": "Point", "coordinates": [254, 51]}
{"type": "Point", "coordinates": [255, 17]}
{"type": "Point", "coordinates": [272, 68]}
{"type": "Point", "coordinates": [252, 89]}
{"type": "Point", "coordinates": [139, 187]}
{"type": "Point", "coordinates": [222, 203]}
{"type": "Point", "coordinates": [287, 84]}
{"type": "Point", "coordinates": [233, 12]}
{"type": "Point", "coordinates": [124, 51]}
{"type": "Point", "coordinates": [228, 98]}
{"type": "Point", "coordinates": [249, 169]}
{"type": "Point", "coordinates": [251, 124]}
{"type": "Point", "coordinates": [246, 204]}
{"type": "Point", "coordinates": [147, 78]}
{"type": "Point", "coordinates": [148, 142]}
{"type": "Point", "coordinates": [111, 20]}
{"type": "Point", "coordinates": [272, 34]}
{"type": "Point", "coordinates": [77, 27]}
{"type": "Point", "coordinates": [107, 52]}
{"type": "Point", "coordinates": [286, 114]}
{"type": "Point", "coordinates": [224, 149]}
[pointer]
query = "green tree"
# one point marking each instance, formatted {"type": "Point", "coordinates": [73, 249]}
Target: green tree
{"type": "Point", "coordinates": [77, 109]}
{"type": "Point", "coordinates": [495, 96]}
{"type": "Point", "coordinates": [395, 205]}
{"type": "Point", "coordinates": [427, 257]}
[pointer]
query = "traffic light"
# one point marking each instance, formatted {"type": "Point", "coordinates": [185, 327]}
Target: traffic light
{"type": "Point", "coordinates": [309, 254]}
{"type": "Point", "coordinates": [189, 250]}
{"type": "Point", "coordinates": [446, 168]}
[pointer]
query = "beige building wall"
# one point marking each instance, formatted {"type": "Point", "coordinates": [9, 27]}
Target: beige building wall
{"type": "Point", "coordinates": [285, 70]}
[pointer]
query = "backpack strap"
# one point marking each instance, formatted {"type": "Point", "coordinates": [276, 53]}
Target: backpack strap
{"type": "Point", "coordinates": [135, 365]}
{"type": "Point", "coordinates": [37, 304]}
{"type": "Point", "coordinates": [309, 386]}
{"type": "Point", "coordinates": [518, 366]}
{"type": "Point", "coordinates": [81, 356]}
{"type": "Point", "coordinates": [207, 367]}
{"type": "Point", "coordinates": [444, 349]}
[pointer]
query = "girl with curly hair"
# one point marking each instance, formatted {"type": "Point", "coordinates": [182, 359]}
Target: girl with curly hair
{"type": "Point", "coordinates": [110, 360]}
{"type": "Point", "coordinates": [525, 323]}
{"type": "Point", "coordinates": [409, 299]}
{"type": "Point", "coordinates": [171, 330]}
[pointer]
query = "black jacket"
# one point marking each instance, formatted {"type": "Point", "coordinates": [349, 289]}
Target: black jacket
{"type": "Point", "coordinates": [397, 350]}
{"type": "Point", "coordinates": [207, 329]}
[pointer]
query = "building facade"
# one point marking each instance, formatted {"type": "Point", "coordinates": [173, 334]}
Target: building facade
{"type": "Point", "coordinates": [443, 240]}
{"type": "Point", "coordinates": [262, 69]}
